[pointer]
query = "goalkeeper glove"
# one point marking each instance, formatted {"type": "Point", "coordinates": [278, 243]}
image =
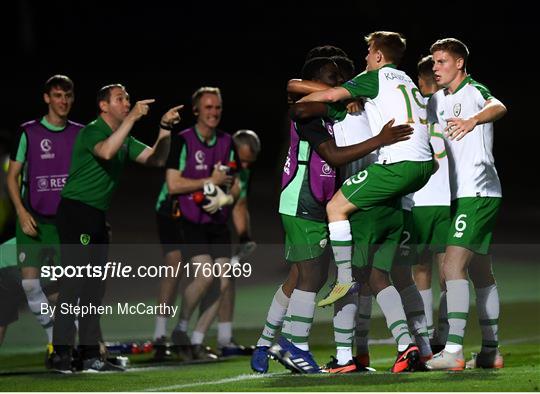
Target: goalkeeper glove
{"type": "Point", "coordinates": [216, 198]}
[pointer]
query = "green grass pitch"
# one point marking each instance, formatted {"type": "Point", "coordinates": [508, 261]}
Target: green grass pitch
{"type": "Point", "coordinates": [21, 367]}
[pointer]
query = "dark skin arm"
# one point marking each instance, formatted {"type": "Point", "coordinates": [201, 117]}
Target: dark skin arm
{"type": "Point", "coordinates": [337, 156]}
{"type": "Point", "coordinates": [297, 88]}
{"type": "Point", "coordinates": [303, 111]}
{"type": "Point", "coordinates": [303, 87]}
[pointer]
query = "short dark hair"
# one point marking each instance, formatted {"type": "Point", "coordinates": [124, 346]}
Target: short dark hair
{"type": "Point", "coordinates": [313, 67]}
{"type": "Point", "coordinates": [425, 71]}
{"type": "Point", "coordinates": [425, 66]}
{"type": "Point", "coordinates": [454, 46]}
{"type": "Point", "coordinates": [345, 66]}
{"type": "Point", "coordinates": [196, 97]}
{"type": "Point", "coordinates": [104, 94]}
{"type": "Point", "coordinates": [58, 81]}
{"type": "Point", "coordinates": [249, 138]}
{"type": "Point", "coordinates": [390, 43]}
{"type": "Point", "coordinates": [325, 51]}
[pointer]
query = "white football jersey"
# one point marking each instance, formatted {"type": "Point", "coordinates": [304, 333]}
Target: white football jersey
{"type": "Point", "coordinates": [391, 94]}
{"type": "Point", "coordinates": [353, 130]}
{"type": "Point", "coordinates": [437, 191]}
{"type": "Point", "coordinates": [471, 162]}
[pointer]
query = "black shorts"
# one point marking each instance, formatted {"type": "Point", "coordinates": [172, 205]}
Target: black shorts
{"type": "Point", "coordinates": [170, 233]}
{"type": "Point", "coordinates": [11, 295]}
{"type": "Point", "coordinates": [209, 238]}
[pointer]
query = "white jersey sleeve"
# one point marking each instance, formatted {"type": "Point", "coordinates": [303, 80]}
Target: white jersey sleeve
{"type": "Point", "coordinates": [354, 129]}
{"type": "Point", "coordinates": [437, 191]}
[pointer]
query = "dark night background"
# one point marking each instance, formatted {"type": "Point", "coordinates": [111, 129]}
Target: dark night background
{"type": "Point", "coordinates": [166, 50]}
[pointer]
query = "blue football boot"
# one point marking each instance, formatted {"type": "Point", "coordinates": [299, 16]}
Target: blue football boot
{"type": "Point", "coordinates": [259, 359]}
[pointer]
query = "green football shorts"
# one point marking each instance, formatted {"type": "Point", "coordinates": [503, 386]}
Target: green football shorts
{"type": "Point", "coordinates": [431, 224]}
{"type": "Point", "coordinates": [380, 183]}
{"type": "Point", "coordinates": [407, 253]}
{"type": "Point", "coordinates": [304, 239]}
{"type": "Point", "coordinates": [473, 220]}
{"type": "Point", "coordinates": [376, 233]}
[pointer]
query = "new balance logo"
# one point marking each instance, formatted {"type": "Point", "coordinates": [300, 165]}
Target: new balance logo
{"type": "Point", "coordinates": [458, 234]}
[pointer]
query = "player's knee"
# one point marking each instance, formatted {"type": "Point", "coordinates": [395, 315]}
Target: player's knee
{"type": "Point", "coordinates": [225, 285]}
{"type": "Point", "coordinates": [376, 286]}
{"type": "Point", "coordinates": [422, 269]}
{"type": "Point", "coordinates": [288, 287]}
{"type": "Point", "coordinates": [481, 278]}
{"type": "Point", "coordinates": [309, 281]}
{"type": "Point", "coordinates": [378, 280]}
{"type": "Point", "coordinates": [422, 279]}
{"type": "Point", "coordinates": [401, 282]}
{"type": "Point", "coordinates": [203, 282]}
{"type": "Point", "coordinates": [454, 271]}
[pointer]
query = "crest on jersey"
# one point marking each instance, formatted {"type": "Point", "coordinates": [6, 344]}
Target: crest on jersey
{"type": "Point", "coordinates": [85, 239]}
{"type": "Point", "coordinates": [457, 109]}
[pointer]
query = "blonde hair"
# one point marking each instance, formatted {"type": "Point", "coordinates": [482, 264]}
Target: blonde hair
{"type": "Point", "coordinates": [390, 43]}
{"type": "Point", "coordinates": [196, 97]}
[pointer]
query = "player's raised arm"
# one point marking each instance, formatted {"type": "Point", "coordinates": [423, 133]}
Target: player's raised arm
{"type": "Point", "coordinates": [157, 154]}
{"type": "Point", "coordinates": [303, 87]}
{"type": "Point", "coordinates": [302, 111]}
{"type": "Point", "coordinates": [108, 148]}
{"type": "Point", "coordinates": [331, 95]}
